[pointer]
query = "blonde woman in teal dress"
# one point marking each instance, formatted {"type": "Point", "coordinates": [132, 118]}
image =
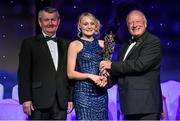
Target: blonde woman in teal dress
{"type": "Point", "coordinates": [84, 56]}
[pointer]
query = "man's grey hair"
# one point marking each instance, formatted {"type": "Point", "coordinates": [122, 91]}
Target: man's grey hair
{"type": "Point", "coordinates": [48, 10]}
{"type": "Point", "coordinates": [138, 12]}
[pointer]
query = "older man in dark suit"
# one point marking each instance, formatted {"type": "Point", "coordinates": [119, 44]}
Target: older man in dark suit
{"type": "Point", "coordinates": [138, 71]}
{"type": "Point", "coordinates": [44, 90]}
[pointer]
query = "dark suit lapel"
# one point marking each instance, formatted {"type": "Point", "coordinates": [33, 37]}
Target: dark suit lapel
{"type": "Point", "coordinates": [44, 47]}
{"type": "Point", "coordinates": [138, 43]}
{"type": "Point", "coordinates": [134, 48]}
{"type": "Point", "coordinates": [60, 53]}
{"type": "Point", "coordinates": [122, 51]}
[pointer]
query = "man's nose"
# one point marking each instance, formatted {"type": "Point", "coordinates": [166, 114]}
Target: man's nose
{"type": "Point", "coordinates": [49, 22]}
{"type": "Point", "coordinates": [134, 24]}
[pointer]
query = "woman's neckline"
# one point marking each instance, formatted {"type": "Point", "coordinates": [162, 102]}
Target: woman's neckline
{"type": "Point", "coordinates": [88, 40]}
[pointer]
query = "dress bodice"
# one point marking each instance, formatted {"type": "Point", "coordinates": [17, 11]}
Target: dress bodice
{"type": "Point", "coordinates": [89, 57]}
{"type": "Point", "coordinates": [88, 60]}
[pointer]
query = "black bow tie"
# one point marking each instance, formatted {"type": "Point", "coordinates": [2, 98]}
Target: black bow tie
{"type": "Point", "coordinates": [47, 38]}
{"type": "Point", "coordinates": [133, 40]}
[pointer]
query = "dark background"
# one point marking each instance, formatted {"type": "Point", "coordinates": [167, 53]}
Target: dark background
{"type": "Point", "coordinates": [18, 21]}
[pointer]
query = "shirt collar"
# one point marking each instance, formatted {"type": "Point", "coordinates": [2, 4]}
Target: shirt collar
{"type": "Point", "coordinates": [44, 34]}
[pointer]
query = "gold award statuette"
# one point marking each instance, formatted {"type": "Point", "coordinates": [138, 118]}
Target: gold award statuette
{"type": "Point", "coordinates": [109, 45]}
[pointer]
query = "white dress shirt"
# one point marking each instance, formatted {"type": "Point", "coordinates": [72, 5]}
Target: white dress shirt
{"type": "Point", "coordinates": [128, 50]}
{"type": "Point", "coordinates": [53, 48]}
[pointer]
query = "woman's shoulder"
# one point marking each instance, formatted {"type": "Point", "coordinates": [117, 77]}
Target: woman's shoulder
{"type": "Point", "coordinates": [101, 43]}
{"type": "Point", "coordinates": [76, 45]}
{"type": "Point", "coordinates": [75, 42]}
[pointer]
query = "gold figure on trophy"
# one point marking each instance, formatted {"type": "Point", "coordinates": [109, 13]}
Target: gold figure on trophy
{"type": "Point", "coordinates": [109, 45]}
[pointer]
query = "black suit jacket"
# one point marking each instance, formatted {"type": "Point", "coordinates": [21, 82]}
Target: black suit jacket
{"type": "Point", "coordinates": [38, 81]}
{"type": "Point", "coordinates": [139, 76]}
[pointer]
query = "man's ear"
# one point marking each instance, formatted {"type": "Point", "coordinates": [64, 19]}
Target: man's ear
{"type": "Point", "coordinates": [39, 21]}
{"type": "Point", "coordinates": [145, 24]}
